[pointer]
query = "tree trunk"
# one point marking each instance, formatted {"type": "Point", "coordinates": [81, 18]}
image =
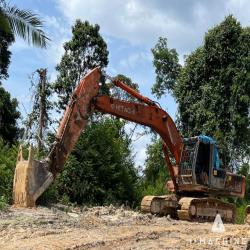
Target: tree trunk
{"type": "Point", "coordinates": [42, 74]}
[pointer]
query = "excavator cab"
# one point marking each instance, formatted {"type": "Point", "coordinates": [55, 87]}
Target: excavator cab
{"type": "Point", "coordinates": [201, 170]}
{"type": "Point", "coordinates": [200, 182]}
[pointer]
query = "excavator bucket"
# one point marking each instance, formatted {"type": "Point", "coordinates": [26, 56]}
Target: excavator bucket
{"type": "Point", "coordinates": [30, 181]}
{"type": "Point", "coordinates": [33, 177]}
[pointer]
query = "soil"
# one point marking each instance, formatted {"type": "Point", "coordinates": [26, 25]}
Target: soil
{"type": "Point", "coordinates": [61, 227]}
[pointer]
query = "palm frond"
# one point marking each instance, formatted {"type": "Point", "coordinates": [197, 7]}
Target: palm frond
{"type": "Point", "coordinates": [27, 25]}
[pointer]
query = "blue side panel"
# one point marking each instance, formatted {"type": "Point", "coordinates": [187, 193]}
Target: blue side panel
{"type": "Point", "coordinates": [209, 140]}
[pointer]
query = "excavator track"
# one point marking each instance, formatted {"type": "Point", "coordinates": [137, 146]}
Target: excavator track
{"type": "Point", "coordinates": [160, 205]}
{"type": "Point", "coordinates": [205, 209]}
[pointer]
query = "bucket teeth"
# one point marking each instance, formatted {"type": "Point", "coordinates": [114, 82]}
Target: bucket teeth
{"type": "Point", "coordinates": [30, 180]}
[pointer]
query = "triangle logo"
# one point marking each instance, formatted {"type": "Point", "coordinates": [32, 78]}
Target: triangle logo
{"type": "Point", "coordinates": [218, 226]}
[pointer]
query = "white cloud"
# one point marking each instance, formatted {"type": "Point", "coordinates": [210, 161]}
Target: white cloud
{"type": "Point", "coordinates": [136, 59]}
{"type": "Point", "coordinates": [143, 21]}
{"type": "Point", "coordinates": [134, 21]}
{"type": "Point", "coordinates": [57, 24]}
{"type": "Point", "coordinates": [59, 32]}
{"type": "Point", "coordinates": [241, 9]}
{"type": "Point", "coordinates": [55, 51]}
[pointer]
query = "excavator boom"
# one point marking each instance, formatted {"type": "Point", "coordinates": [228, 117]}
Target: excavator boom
{"type": "Point", "coordinates": [33, 177]}
{"type": "Point", "coordinates": [195, 173]}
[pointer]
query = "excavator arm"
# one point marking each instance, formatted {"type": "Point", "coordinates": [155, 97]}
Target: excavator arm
{"type": "Point", "coordinates": [33, 177]}
{"type": "Point", "coordinates": [151, 116]}
{"type": "Point", "coordinates": [148, 115]}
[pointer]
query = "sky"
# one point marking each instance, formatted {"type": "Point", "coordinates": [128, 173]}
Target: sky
{"type": "Point", "coordinates": [130, 28]}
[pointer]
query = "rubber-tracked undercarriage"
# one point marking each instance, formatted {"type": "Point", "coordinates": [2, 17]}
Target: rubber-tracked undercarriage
{"type": "Point", "coordinates": [189, 208]}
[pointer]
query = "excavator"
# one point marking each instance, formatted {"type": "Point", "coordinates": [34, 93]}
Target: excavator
{"type": "Point", "coordinates": [198, 185]}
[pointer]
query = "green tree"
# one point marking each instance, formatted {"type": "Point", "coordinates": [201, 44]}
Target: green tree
{"type": "Point", "coordinates": [155, 173]}
{"type": "Point", "coordinates": [243, 203]}
{"type": "Point", "coordinates": [121, 94]}
{"type": "Point", "coordinates": [6, 39]}
{"type": "Point", "coordinates": [22, 23]}
{"type": "Point", "coordinates": [213, 89]}
{"type": "Point", "coordinates": [167, 67]}
{"type": "Point", "coordinates": [8, 155]}
{"type": "Point", "coordinates": [244, 169]}
{"type": "Point", "coordinates": [85, 51]}
{"type": "Point", "coordinates": [14, 22]}
{"type": "Point", "coordinates": [100, 170]}
{"type": "Point", "coordinates": [8, 117]}
{"type": "Point", "coordinates": [39, 119]}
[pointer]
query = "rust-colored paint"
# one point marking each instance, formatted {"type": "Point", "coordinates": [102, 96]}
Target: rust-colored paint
{"type": "Point", "coordinates": [151, 116]}
{"type": "Point", "coordinates": [133, 92]}
{"type": "Point", "coordinates": [173, 171]}
{"type": "Point", "coordinates": [74, 119]}
{"type": "Point", "coordinates": [32, 177]}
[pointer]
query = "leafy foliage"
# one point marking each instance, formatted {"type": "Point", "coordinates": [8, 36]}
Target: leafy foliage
{"type": "Point", "coordinates": [100, 170]}
{"type": "Point", "coordinates": [167, 67]}
{"type": "Point", "coordinates": [6, 40]}
{"type": "Point", "coordinates": [42, 104]}
{"type": "Point", "coordinates": [243, 203]}
{"type": "Point", "coordinates": [22, 23]}
{"type": "Point", "coordinates": [155, 173]}
{"type": "Point", "coordinates": [8, 157]}
{"type": "Point", "coordinates": [213, 89]}
{"type": "Point", "coordinates": [8, 117]}
{"type": "Point", "coordinates": [121, 94]}
{"type": "Point", "coordinates": [241, 213]}
{"type": "Point", "coordinates": [240, 203]}
{"type": "Point", "coordinates": [244, 169]}
{"type": "Point", "coordinates": [85, 51]}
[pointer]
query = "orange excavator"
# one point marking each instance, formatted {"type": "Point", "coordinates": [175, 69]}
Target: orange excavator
{"type": "Point", "coordinates": [197, 180]}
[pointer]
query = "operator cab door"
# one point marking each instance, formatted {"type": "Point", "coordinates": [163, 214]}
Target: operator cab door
{"type": "Point", "coordinates": [218, 176]}
{"type": "Point", "coordinates": [207, 171]}
{"type": "Point", "coordinates": [203, 164]}
{"type": "Point", "coordinates": [197, 165]}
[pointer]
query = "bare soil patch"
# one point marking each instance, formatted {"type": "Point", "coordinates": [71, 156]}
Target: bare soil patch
{"type": "Point", "coordinates": [59, 227]}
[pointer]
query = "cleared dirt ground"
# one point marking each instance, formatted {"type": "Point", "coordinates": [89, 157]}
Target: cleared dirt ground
{"type": "Point", "coordinates": [110, 228]}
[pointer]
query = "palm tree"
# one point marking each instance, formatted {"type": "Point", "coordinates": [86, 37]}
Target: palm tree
{"type": "Point", "coordinates": [22, 23]}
